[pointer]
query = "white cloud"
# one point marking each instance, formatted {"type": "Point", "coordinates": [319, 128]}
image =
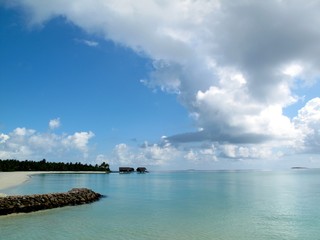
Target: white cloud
{"type": "Point", "coordinates": [122, 154]}
{"type": "Point", "coordinates": [78, 140]}
{"type": "Point", "coordinates": [23, 143]}
{"type": "Point", "coordinates": [208, 154]}
{"type": "Point", "coordinates": [227, 110]}
{"type": "Point", "coordinates": [146, 155]}
{"type": "Point", "coordinates": [231, 63]}
{"type": "Point", "coordinates": [204, 156]}
{"type": "Point", "coordinates": [23, 132]}
{"type": "Point", "coordinates": [248, 152]}
{"type": "Point", "coordinates": [158, 154]}
{"type": "Point", "coordinates": [89, 43]}
{"type": "Point", "coordinates": [308, 124]}
{"type": "Point", "coordinates": [54, 123]}
{"type": "Point", "coordinates": [4, 138]}
{"type": "Point", "coordinates": [293, 70]}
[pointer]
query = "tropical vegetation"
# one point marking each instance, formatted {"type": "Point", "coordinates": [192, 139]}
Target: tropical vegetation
{"type": "Point", "coordinates": [10, 165]}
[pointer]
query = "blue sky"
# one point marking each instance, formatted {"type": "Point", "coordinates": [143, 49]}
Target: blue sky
{"type": "Point", "coordinates": [171, 85]}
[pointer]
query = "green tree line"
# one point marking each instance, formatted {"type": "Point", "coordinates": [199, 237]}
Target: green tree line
{"type": "Point", "coordinates": [10, 165]}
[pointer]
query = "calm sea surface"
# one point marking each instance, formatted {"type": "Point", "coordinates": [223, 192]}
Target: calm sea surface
{"type": "Point", "coordinates": [241, 205]}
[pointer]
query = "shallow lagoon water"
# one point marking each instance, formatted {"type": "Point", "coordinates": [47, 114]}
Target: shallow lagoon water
{"type": "Point", "coordinates": [224, 205]}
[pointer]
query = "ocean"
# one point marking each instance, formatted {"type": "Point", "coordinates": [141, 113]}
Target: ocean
{"type": "Point", "coordinates": [217, 205]}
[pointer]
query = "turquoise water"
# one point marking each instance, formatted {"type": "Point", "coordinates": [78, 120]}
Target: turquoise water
{"type": "Point", "coordinates": [241, 205]}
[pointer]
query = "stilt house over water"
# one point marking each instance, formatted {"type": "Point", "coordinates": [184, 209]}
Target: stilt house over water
{"type": "Point", "coordinates": [141, 170]}
{"type": "Point", "coordinates": [126, 169]}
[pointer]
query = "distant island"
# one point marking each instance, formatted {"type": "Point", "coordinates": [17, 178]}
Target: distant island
{"type": "Point", "coordinates": [11, 165]}
{"type": "Point", "coordinates": [299, 168]}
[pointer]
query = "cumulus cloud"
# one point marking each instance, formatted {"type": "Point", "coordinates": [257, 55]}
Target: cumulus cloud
{"type": "Point", "coordinates": [147, 154]}
{"type": "Point", "coordinates": [232, 64]}
{"type": "Point", "coordinates": [54, 123]}
{"type": "Point", "coordinates": [184, 157]}
{"type": "Point", "coordinates": [308, 123]}
{"type": "Point", "coordinates": [205, 154]}
{"type": "Point", "coordinates": [3, 138]}
{"type": "Point", "coordinates": [22, 132]}
{"type": "Point", "coordinates": [23, 143]}
{"type": "Point", "coordinates": [78, 140]}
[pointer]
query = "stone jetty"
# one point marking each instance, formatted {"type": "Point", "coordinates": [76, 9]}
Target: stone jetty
{"type": "Point", "coordinates": [36, 202]}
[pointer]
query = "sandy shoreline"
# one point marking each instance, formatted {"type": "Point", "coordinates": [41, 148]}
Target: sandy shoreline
{"type": "Point", "coordinates": [12, 179]}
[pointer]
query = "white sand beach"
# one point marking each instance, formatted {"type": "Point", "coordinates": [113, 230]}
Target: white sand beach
{"type": "Point", "coordinates": [11, 179]}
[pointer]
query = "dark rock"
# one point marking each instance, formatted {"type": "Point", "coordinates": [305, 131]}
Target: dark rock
{"type": "Point", "coordinates": [31, 203]}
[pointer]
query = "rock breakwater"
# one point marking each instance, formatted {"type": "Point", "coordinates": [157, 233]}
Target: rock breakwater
{"type": "Point", "coordinates": [36, 202]}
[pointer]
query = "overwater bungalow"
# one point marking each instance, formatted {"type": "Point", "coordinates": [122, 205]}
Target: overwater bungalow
{"type": "Point", "coordinates": [141, 170]}
{"type": "Point", "coordinates": [126, 169]}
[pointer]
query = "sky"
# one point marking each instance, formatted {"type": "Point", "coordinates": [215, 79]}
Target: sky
{"type": "Point", "coordinates": [169, 85]}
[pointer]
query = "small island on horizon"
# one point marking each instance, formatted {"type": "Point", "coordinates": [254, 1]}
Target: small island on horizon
{"type": "Point", "coordinates": [299, 168]}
